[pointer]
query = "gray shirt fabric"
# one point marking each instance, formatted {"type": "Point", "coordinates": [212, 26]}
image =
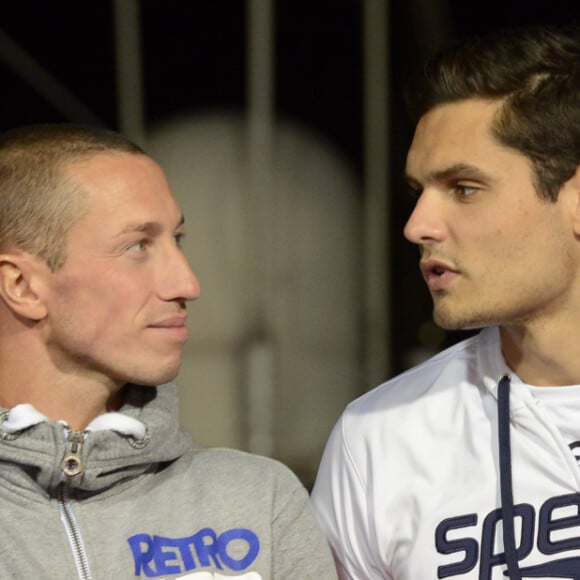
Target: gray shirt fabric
{"type": "Point", "coordinates": [155, 508]}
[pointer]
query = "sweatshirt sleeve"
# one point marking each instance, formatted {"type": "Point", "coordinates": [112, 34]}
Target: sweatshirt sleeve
{"type": "Point", "coordinates": [341, 505]}
{"type": "Point", "coordinates": [300, 551]}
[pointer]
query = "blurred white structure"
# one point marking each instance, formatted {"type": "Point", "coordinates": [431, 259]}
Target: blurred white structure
{"type": "Point", "coordinates": [304, 334]}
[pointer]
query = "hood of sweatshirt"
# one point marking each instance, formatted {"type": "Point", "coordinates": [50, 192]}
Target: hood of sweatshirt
{"type": "Point", "coordinates": [144, 435]}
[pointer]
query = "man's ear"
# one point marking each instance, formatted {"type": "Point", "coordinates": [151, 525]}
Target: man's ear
{"type": "Point", "coordinates": [574, 186]}
{"type": "Point", "coordinates": [20, 281]}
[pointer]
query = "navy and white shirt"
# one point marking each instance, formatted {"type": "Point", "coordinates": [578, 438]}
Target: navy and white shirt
{"type": "Point", "coordinates": [409, 485]}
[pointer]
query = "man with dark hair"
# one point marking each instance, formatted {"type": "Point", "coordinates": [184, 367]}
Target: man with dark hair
{"type": "Point", "coordinates": [465, 466]}
{"type": "Point", "coordinates": [97, 480]}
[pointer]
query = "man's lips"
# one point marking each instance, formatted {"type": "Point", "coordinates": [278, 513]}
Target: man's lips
{"type": "Point", "coordinates": [170, 322]}
{"type": "Point", "coordinates": [172, 326]}
{"type": "Point", "coordinates": [438, 274]}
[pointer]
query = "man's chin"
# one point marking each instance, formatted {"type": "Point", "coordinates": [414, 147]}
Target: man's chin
{"type": "Point", "coordinates": [154, 379]}
{"type": "Point", "coordinates": [453, 321]}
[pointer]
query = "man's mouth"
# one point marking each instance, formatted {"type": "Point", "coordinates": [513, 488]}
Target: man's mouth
{"type": "Point", "coordinates": [172, 327]}
{"type": "Point", "coordinates": [438, 274]}
{"type": "Point", "coordinates": [171, 322]}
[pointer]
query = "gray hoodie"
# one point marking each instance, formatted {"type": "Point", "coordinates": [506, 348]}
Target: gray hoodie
{"type": "Point", "coordinates": [138, 500]}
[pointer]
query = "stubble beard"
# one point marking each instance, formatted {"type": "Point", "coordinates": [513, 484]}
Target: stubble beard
{"type": "Point", "coordinates": [449, 318]}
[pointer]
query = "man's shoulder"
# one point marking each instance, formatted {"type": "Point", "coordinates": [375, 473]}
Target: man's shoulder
{"type": "Point", "coordinates": [397, 418]}
{"type": "Point", "coordinates": [226, 464]}
{"type": "Point", "coordinates": [442, 374]}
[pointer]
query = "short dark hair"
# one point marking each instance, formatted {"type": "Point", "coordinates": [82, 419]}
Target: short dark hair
{"type": "Point", "coordinates": [38, 204]}
{"type": "Point", "coordinates": [535, 71]}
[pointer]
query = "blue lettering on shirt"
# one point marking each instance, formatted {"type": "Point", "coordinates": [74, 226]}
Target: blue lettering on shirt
{"type": "Point", "coordinates": [555, 532]}
{"type": "Point", "coordinates": [154, 556]}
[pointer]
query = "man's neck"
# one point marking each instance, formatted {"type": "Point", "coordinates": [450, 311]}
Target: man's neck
{"type": "Point", "coordinates": [543, 355]}
{"type": "Point", "coordinates": [60, 396]}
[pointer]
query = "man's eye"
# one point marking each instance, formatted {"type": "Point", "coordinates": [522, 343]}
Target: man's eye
{"type": "Point", "coordinates": [139, 246]}
{"type": "Point", "coordinates": [179, 239]}
{"type": "Point", "coordinates": [465, 190]}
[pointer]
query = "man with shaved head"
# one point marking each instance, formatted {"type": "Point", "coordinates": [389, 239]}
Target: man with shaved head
{"type": "Point", "coordinates": [97, 480]}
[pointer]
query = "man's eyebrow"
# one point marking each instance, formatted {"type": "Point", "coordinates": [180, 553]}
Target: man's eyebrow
{"type": "Point", "coordinates": [458, 170]}
{"type": "Point", "coordinates": [462, 170]}
{"type": "Point", "coordinates": [149, 228]}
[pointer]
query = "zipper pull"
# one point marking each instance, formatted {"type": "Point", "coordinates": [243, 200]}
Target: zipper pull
{"type": "Point", "coordinates": [72, 463]}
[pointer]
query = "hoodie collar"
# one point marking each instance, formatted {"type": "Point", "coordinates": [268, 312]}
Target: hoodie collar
{"type": "Point", "coordinates": [116, 446]}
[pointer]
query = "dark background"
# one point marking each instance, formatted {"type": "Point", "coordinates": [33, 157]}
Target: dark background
{"type": "Point", "coordinates": [194, 54]}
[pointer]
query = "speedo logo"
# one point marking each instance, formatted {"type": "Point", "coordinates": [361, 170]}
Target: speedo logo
{"type": "Point", "coordinates": [555, 531]}
{"type": "Point", "coordinates": [233, 550]}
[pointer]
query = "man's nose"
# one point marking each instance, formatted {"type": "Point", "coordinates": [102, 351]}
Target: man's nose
{"type": "Point", "coordinates": [180, 281]}
{"type": "Point", "coordinates": [426, 224]}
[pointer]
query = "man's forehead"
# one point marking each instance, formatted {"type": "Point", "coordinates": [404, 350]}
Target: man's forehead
{"type": "Point", "coordinates": [115, 171]}
{"type": "Point", "coordinates": [452, 135]}
{"type": "Point", "coordinates": [75, 163]}
{"type": "Point", "coordinates": [110, 168]}
{"type": "Point", "coordinates": [125, 192]}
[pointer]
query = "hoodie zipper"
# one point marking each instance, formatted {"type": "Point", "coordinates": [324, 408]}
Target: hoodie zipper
{"type": "Point", "coordinates": [72, 466]}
